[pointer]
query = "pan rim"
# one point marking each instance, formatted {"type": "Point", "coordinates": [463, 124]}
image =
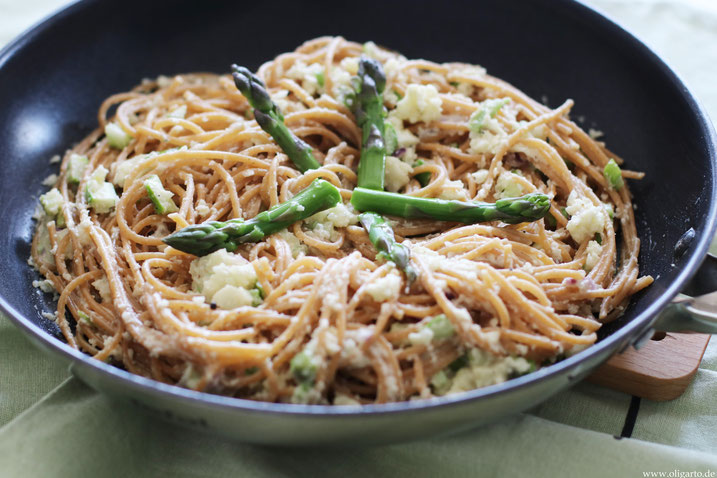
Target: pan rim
{"type": "Point", "coordinates": [634, 329]}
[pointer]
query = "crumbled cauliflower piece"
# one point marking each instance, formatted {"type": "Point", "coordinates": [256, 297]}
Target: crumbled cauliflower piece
{"type": "Point", "coordinates": [595, 133]}
{"type": "Point", "coordinates": [340, 215]}
{"type": "Point", "coordinates": [223, 278]}
{"type": "Point", "coordinates": [124, 168]}
{"type": "Point", "coordinates": [52, 201]}
{"type": "Point", "coordinates": [483, 369]}
{"type": "Point", "coordinates": [454, 190]}
{"type": "Point", "coordinates": [593, 255]}
{"type": "Point", "coordinates": [466, 89]}
{"type": "Point", "coordinates": [422, 337]}
{"type": "Point", "coordinates": [488, 141]}
{"type": "Point", "coordinates": [481, 176]}
{"type": "Point", "coordinates": [487, 133]}
{"type": "Point", "coordinates": [344, 400]}
{"type": "Point", "coordinates": [350, 64]}
{"type": "Point", "coordinates": [397, 173]}
{"type": "Point", "coordinates": [297, 247]}
{"type": "Point", "coordinates": [45, 285]}
{"type": "Point", "coordinates": [586, 218]}
{"type": "Point", "coordinates": [306, 75]}
{"type": "Point", "coordinates": [323, 224]}
{"type": "Point", "coordinates": [429, 257]}
{"type": "Point", "coordinates": [393, 66]}
{"type": "Point", "coordinates": [384, 288]}
{"type": "Point", "coordinates": [281, 99]}
{"type": "Point", "coordinates": [231, 297]}
{"type": "Point", "coordinates": [421, 103]}
{"type": "Point", "coordinates": [471, 71]}
{"type": "Point", "coordinates": [404, 137]}
{"type": "Point", "coordinates": [51, 180]}
{"type": "Point", "coordinates": [203, 208]}
{"type": "Point", "coordinates": [370, 49]}
{"type": "Point", "coordinates": [340, 81]}
{"type": "Point", "coordinates": [508, 185]}
{"type": "Point", "coordinates": [103, 287]}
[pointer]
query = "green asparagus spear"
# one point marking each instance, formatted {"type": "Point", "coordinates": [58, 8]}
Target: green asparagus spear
{"type": "Point", "coordinates": [269, 117]}
{"type": "Point", "coordinates": [367, 105]}
{"type": "Point", "coordinates": [530, 207]}
{"type": "Point", "coordinates": [372, 164]}
{"type": "Point", "coordinates": [203, 239]}
{"type": "Point", "coordinates": [381, 236]}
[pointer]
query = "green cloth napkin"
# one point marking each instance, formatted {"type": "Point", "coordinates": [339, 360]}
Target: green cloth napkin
{"type": "Point", "coordinates": [53, 425]}
{"type": "Point", "coordinates": [74, 431]}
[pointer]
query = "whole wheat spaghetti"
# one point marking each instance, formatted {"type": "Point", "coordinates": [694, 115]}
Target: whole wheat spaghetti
{"type": "Point", "coordinates": [310, 314]}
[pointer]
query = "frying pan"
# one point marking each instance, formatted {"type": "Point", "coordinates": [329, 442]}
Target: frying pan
{"type": "Point", "coordinates": [53, 78]}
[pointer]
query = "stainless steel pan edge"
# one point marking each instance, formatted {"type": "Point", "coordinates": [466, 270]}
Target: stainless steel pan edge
{"type": "Point", "coordinates": [295, 424]}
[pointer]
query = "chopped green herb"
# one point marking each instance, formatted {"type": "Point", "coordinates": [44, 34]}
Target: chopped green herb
{"type": "Point", "coordinates": [84, 317]}
{"type": "Point", "coordinates": [303, 368]}
{"type": "Point", "coordinates": [533, 367]}
{"type": "Point", "coordinates": [598, 238]}
{"type": "Point", "coordinates": [423, 178]}
{"type": "Point", "coordinates": [458, 363]}
{"type": "Point", "coordinates": [454, 84]}
{"type": "Point", "coordinates": [613, 174]}
{"type": "Point", "coordinates": [565, 212]}
{"type": "Point", "coordinates": [320, 78]}
{"type": "Point", "coordinates": [60, 220]}
{"type": "Point", "coordinates": [550, 221]}
{"type": "Point", "coordinates": [256, 297]}
{"type": "Point", "coordinates": [390, 139]}
{"type": "Point", "coordinates": [441, 327]}
{"type": "Point", "coordinates": [610, 211]}
{"type": "Point", "coordinates": [440, 382]}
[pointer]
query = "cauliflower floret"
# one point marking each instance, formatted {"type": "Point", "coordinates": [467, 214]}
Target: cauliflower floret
{"type": "Point", "coordinates": [421, 103]}
{"type": "Point", "coordinates": [397, 174]}
{"type": "Point", "coordinates": [586, 218]}
{"type": "Point", "coordinates": [223, 278]}
{"type": "Point", "coordinates": [231, 297]}
{"type": "Point", "coordinates": [481, 176]}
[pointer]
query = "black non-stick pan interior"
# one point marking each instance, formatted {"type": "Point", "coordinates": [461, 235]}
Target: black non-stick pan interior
{"type": "Point", "coordinates": [53, 80]}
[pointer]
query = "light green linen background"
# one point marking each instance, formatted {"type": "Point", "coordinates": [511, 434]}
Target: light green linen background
{"type": "Point", "coordinates": [53, 425]}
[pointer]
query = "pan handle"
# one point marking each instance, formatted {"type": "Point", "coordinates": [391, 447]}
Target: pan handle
{"type": "Point", "coordinates": [696, 309]}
